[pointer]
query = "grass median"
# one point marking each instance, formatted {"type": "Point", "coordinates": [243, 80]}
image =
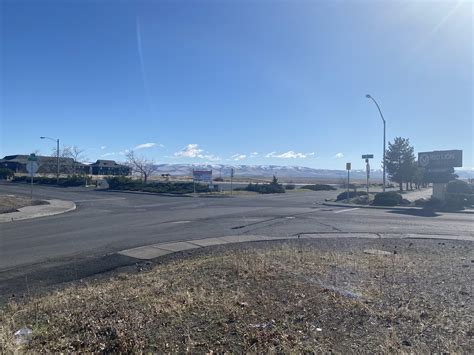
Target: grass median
{"type": "Point", "coordinates": [320, 295]}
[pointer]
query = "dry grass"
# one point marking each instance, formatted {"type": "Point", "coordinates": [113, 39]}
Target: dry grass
{"type": "Point", "coordinates": [284, 298]}
{"type": "Point", "coordinates": [10, 203]}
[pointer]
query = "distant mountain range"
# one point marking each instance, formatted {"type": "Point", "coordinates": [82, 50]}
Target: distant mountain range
{"type": "Point", "coordinates": [267, 171]}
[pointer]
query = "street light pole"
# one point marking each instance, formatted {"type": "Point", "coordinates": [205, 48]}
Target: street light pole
{"type": "Point", "coordinates": [384, 132]}
{"type": "Point", "coordinates": [57, 156]}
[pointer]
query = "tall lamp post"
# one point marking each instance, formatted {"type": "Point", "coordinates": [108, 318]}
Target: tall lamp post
{"type": "Point", "coordinates": [57, 156]}
{"type": "Point", "coordinates": [383, 119]}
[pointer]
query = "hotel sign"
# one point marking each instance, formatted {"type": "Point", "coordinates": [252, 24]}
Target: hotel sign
{"type": "Point", "coordinates": [440, 159]}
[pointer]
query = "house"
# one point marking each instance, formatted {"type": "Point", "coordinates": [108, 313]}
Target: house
{"type": "Point", "coordinates": [109, 167]}
{"type": "Point", "coordinates": [48, 165]}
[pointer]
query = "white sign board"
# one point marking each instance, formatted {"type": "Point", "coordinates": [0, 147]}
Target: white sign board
{"type": "Point", "coordinates": [202, 176]}
{"type": "Point", "coordinates": [32, 167]}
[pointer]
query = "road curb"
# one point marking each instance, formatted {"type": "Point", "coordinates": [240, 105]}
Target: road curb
{"type": "Point", "coordinates": [163, 194]}
{"type": "Point", "coordinates": [54, 207]}
{"type": "Point", "coordinates": [154, 251]}
{"type": "Point", "coordinates": [396, 208]}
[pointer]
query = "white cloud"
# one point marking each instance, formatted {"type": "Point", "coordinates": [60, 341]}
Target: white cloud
{"type": "Point", "coordinates": [238, 157]}
{"type": "Point", "coordinates": [103, 147]}
{"type": "Point", "coordinates": [339, 156]}
{"type": "Point", "coordinates": [145, 145]}
{"type": "Point", "coordinates": [193, 151]}
{"type": "Point", "coordinates": [253, 155]}
{"type": "Point", "coordinates": [288, 155]}
{"type": "Point", "coordinates": [190, 151]}
{"type": "Point", "coordinates": [108, 154]}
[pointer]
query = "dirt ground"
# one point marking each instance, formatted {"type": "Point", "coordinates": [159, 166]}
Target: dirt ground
{"type": "Point", "coordinates": [10, 203]}
{"type": "Point", "coordinates": [322, 295]}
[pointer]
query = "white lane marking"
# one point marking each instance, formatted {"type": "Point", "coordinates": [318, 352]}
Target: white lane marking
{"type": "Point", "coordinates": [350, 209]}
{"type": "Point", "coordinates": [102, 199]}
{"type": "Point", "coordinates": [179, 222]}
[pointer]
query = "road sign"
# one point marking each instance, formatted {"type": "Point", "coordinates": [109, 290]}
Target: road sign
{"type": "Point", "coordinates": [32, 157]}
{"type": "Point", "coordinates": [232, 172]}
{"type": "Point", "coordinates": [348, 166]}
{"type": "Point", "coordinates": [368, 156]}
{"type": "Point", "coordinates": [32, 167]}
{"type": "Point", "coordinates": [440, 159]}
{"type": "Point", "coordinates": [202, 176]}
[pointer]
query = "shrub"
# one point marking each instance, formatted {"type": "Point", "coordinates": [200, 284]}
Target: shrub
{"type": "Point", "coordinates": [319, 187]}
{"type": "Point", "coordinates": [218, 179]}
{"type": "Point", "coordinates": [124, 183]}
{"type": "Point", "coordinates": [73, 180]}
{"type": "Point", "coordinates": [352, 194]}
{"type": "Point", "coordinates": [290, 187]}
{"type": "Point", "coordinates": [272, 188]}
{"type": "Point", "coordinates": [390, 198]}
{"type": "Point", "coordinates": [6, 173]}
{"type": "Point", "coordinates": [458, 187]}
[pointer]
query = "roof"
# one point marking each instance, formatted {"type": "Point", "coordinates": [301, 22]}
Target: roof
{"type": "Point", "coordinates": [23, 159]}
{"type": "Point", "coordinates": [44, 160]}
{"type": "Point", "coordinates": [106, 163]}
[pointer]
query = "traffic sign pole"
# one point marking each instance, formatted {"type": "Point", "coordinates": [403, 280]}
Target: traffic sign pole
{"type": "Point", "coordinates": [348, 168]}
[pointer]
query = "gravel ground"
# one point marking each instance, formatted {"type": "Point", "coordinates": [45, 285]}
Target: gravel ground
{"type": "Point", "coordinates": [10, 203]}
{"type": "Point", "coordinates": [321, 295]}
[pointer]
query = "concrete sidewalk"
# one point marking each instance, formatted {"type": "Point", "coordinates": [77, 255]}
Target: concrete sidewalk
{"type": "Point", "coordinates": [154, 251]}
{"type": "Point", "coordinates": [53, 208]}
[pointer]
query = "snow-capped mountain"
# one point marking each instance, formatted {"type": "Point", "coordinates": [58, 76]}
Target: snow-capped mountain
{"type": "Point", "coordinates": [262, 171]}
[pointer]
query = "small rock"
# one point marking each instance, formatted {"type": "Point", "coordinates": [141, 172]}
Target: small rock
{"type": "Point", "coordinates": [23, 336]}
{"type": "Point", "coordinates": [406, 342]}
{"type": "Point", "coordinates": [376, 252]}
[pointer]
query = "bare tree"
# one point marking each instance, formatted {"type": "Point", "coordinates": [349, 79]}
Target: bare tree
{"type": "Point", "coordinates": [74, 152]}
{"type": "Point", "coordinates": [145, 167]}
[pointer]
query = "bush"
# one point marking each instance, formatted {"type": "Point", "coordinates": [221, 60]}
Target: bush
{"type": "Point", "coordinates": [352, 194]}
{"type": "Point", "coordinates": [290, 187]}
{"type": "Point", "coordinates": [218, 179]}
{"type": "Point", "coordinates": [458, 187]}
{"type": "Point", "coordinates": [6, 173]}
{"type": "Point", "coordinates": [73, 180]}
{"type": "Point", "coordinates": [319, 187]}
{"type": "Point", "coordinates": [272, 188]}
{"type": "Point", "coordinates": [124, 183]}
{"type": "Point", "coordinates": [390, 198]}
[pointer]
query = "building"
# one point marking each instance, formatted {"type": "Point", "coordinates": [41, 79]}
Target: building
{"type": "Point", "coordinates": [48, 165]}
{"type": "Point", "coordinates": [109, 167]}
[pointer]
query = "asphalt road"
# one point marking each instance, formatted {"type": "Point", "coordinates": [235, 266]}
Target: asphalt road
{"type": "Point", "coordinates": [77, 244]}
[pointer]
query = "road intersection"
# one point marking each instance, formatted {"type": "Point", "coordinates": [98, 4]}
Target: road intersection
{"type": "Point", "coordinates": [89, 239]}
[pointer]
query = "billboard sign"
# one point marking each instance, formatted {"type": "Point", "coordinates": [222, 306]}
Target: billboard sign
{"type": "Point", "coordinates": [202, 176]}
{"type": "Point", "coordinates": [439, 159]}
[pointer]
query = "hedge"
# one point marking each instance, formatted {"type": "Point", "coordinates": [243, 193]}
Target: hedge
{"type": "Point", "coordinates": [73, 180]}
{"type": "Point", "coordinates": [390, 198]}
{"type": "Point", "coordinates": [352, 194]}
{"type": "Point", "coordinates": [124, 183]}
{"type": "Point", "coordinates": [319, 187]}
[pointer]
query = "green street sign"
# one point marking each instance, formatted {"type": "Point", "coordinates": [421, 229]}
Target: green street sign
{"type": "Point", "coordinates": [32, 157]}
{"type": "Point", "coordinates": [368, 156]}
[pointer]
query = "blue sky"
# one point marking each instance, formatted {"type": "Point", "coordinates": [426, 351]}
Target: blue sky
{"type": "Point", "coordinates": [244, 82]}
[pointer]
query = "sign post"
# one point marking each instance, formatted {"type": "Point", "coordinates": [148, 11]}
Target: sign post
{"type": "Point", "coordinates": [202, 176]}
{"type": "Point", "coordinates": [348, 168]}
{"type": "Point", "coordinates": [32, 168]}
{"type": "Point", "coordinates": [231, 179]}
{"type": "Point", "coordinates": [367, 168]}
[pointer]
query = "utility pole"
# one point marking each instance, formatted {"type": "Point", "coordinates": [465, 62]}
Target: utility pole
{"type": "Point", "coordinates": [348, 168]}
{"type": "Point", "coordinates": [57, 156]}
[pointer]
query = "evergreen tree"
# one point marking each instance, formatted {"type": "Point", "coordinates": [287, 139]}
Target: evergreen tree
{"type": "Point", "coordinates": [399, 161]}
